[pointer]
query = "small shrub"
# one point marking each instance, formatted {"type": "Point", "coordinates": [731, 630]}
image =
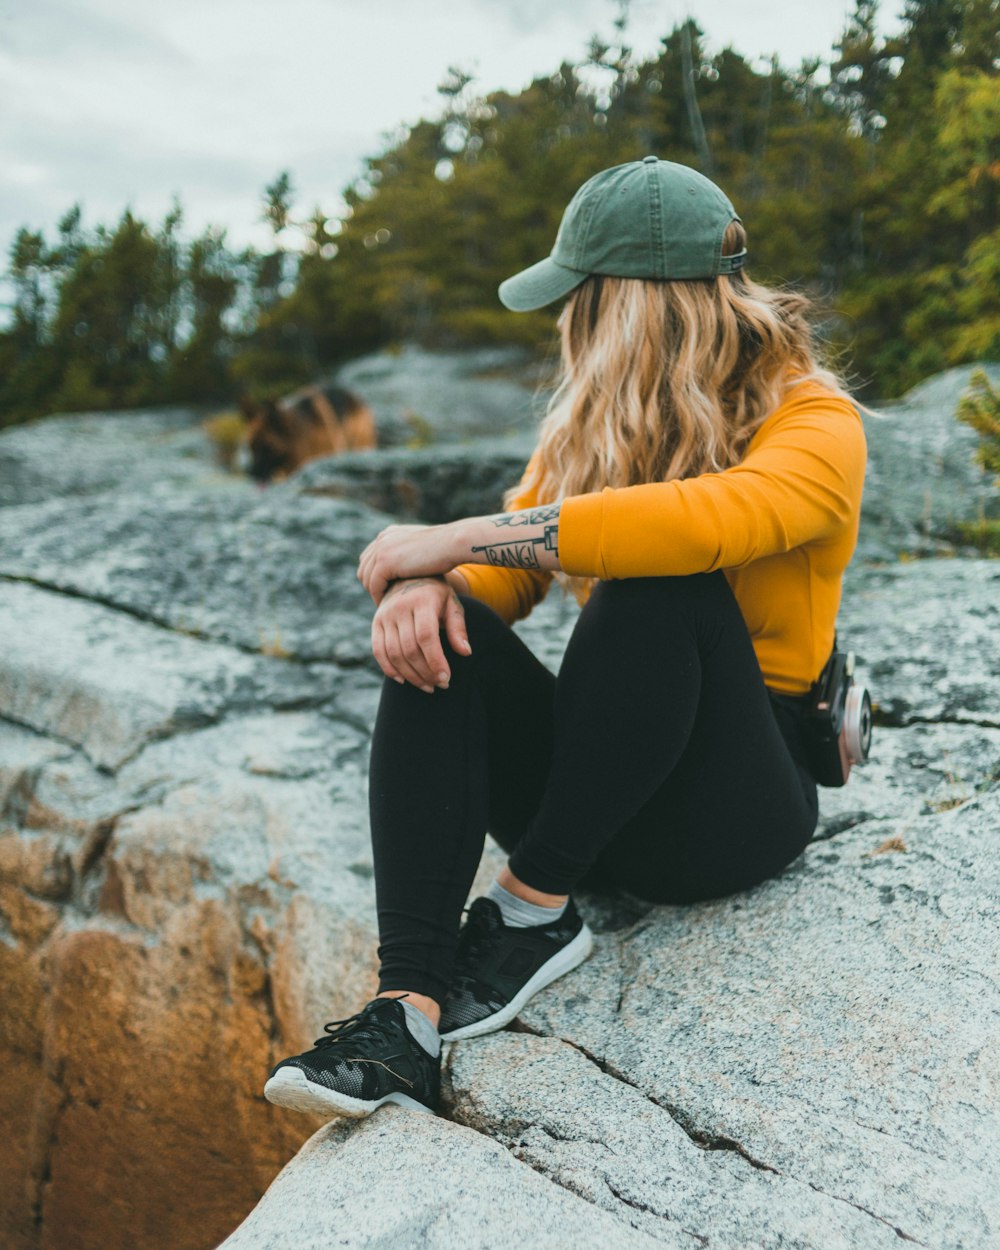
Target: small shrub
{"type": "Point", "coordinates": [422, 431]}
{"type": "Point", "coordinates": [272, 645]}
{"type": "Point", "coordinates": [982, 534]}
{"type": "Point", "coordinates": [979, 408]}
{"type": "Point", "coordinates": [225, 430]}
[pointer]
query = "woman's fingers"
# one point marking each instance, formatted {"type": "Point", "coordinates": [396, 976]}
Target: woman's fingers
{"type": "Point", "coordinates": [371, 572]}
{"type": "Point", "coordinates": [427, 629]}
{"type": "Point", "coordinates": [406, 636]}
{"type": "Point", "coordinates": [366, 568]}
{"type": "Point", "coordinates": [403, 648]}
{"type": "Point", "coordinates": [380, 653]}
{"type": "Point", "coordinates": [413, 635]}
{"type": "Point", "coordinates": [403, 551]}
{"type": "Point", "coordinates": [455, 627]}
{"type": "Point", "coordinates": [367, 562]}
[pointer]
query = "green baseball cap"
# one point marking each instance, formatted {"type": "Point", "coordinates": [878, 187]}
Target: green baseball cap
{"type": "Point", "coordinates": [644, 219]}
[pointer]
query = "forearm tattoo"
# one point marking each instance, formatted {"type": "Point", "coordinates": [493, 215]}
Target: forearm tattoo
{"type": "Point", "coordinates": [521, 553]}
{"type": "Point", "coordinates": [531, 516]}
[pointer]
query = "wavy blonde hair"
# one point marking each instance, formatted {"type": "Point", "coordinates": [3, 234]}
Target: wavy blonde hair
{"type": "Point", "coordinates": [666, 379]}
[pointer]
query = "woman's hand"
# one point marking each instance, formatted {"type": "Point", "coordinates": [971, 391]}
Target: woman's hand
{"type": "Point", "coordinates": [407, 551]}
{"type": "Point", "coordinates": [406, 628]}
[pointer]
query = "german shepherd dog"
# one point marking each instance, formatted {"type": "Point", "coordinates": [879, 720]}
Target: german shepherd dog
{"type": "Point", "coordinates": [320, 420]}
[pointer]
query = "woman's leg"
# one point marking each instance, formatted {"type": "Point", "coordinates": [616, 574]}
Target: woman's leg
{"type": "Point", "coordinates": [670, 776]}
{"type": "Point", "coordinates": [654, 762]}
{"type": "Point", "coordinates": [443, 765]}
{"type": "Point", "coordinates": [436, 760]}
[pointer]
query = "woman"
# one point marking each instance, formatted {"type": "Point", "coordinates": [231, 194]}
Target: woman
{"type": "Point", "coordinates": [697, 483]}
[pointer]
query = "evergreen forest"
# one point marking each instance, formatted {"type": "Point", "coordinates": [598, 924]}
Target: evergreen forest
{"type": "Point", "coordinates": [868, 178]}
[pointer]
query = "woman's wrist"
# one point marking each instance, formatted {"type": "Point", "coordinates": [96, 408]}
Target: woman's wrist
{"type": "Point", "coordinates": [528, 539]}
{"type": "Point", "coordinates": [457, 581]}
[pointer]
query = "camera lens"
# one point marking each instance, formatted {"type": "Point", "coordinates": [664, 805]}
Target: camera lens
{"type": "Point", "coordinates": [857, 724]}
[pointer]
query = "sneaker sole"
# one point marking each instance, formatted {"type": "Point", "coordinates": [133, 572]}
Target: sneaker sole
{"type": "Point", "coordinates": [290, 1087]}
{"type": "Point", "coordinates": [563, 961]}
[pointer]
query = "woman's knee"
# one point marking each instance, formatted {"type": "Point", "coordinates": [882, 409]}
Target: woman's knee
{"type": "Point", "coordinates": [646, 611]}
{"type": "Point", "coordinates": [495, 649]}
{"type": "Point", "coordinates": [683, 588]}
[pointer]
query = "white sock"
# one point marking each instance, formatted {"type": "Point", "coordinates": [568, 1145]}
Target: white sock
{"type": "Point", "coordinates": [421, 1029]}
{"type": "Point", "coordinates": [519, 914]}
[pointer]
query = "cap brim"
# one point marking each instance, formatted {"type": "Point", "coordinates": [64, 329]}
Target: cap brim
{"type": "Point", "coordinates": [539, 285]}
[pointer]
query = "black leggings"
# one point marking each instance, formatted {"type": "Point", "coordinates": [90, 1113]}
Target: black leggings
{"type": "Point", "coordinates": [657, 762]}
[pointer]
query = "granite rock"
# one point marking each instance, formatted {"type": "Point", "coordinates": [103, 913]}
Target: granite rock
{"type": "Point", "coordinates": [446, 397]}
{"type": "Point", "coordinates": [925, 638]}
{"type": "Point", "coordinates": [629, 1153]}
{"type": "Point", "coordinates": [186, 895]}
{"type": "Point", "coordinates": [93, 452]}
{"type": "Point", "coordinates": [433, 484]}
{"type": "Point", "coordinates": [417, 397]}
{"type": "Point", "coordinates": [922, 478]}
{"type": "Point", "coordinates": [414, 1182]}
{"type": "Point", "coordinates": [831, 1027]}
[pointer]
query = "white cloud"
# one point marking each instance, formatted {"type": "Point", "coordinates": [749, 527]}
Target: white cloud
{"type": "Point", "coordinates": [51, 30]}
{"type": "Point", "coordinates": [129, 101]}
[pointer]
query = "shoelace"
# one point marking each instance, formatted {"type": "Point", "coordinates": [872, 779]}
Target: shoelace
{"type": "Point", "coordinates": [354, 1028]}
{"type": "Point", "coordinates": [361, 1028]}
{"type": "Point", "coordinates": [474, 937]}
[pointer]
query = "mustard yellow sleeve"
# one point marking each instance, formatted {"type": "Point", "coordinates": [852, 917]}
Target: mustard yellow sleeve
{"type": "Point", "coordinates": [800, 481]}
{"type": "Point", "coordinates": [511, 593]}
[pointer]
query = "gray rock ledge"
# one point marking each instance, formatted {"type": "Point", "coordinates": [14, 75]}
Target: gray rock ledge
{"type": "Point", "coordinates": [186, 894]}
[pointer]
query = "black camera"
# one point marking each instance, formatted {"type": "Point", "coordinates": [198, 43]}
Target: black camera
{"type": "Point", "coordinates": [838, 721]}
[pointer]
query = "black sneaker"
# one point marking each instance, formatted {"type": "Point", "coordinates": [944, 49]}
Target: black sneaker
{"type": "Point", "coordinates": [368, 1059]}
{"type": "Point", "coordinates": [498, 968]}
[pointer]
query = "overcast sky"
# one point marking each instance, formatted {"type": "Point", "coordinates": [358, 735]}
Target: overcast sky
{"type": "Point", "coordinates": [127, 102]}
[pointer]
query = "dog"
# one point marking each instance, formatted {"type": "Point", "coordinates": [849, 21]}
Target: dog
{"type": "Point", "coordinates": [321, 420]}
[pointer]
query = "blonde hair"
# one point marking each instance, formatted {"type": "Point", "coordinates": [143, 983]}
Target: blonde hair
{"type": "Point", "coordinates": [665, 379]}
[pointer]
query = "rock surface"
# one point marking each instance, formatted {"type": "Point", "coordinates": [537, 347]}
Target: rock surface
{"type": "Point", "coordinates": [87, 453]}
{"type": "Point", "coordinates": [433, 485]}
{"type": "Point", "coordinates": [442, 398]}
{"type": "Point", "coordinates": [922, 476]}
{"type": "Point", "coordinates": [186, 696]}
{"type": "Point", "coordinates": [379, 1183]}
{"type": "Point", "coordinates": [831, 1031]}
{"type": "Point", "coordinates": [445, 397]}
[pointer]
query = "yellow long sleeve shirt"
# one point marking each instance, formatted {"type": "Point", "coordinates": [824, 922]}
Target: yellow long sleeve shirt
{"type": "Point", "coordinates": [782, 525]}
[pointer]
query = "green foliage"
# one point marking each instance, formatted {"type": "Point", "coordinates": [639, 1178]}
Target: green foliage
{"type": "Point", "coordinates": [873, 182]}
{"type": "Point", "coordinates": [225, 430]}
{"type": "Point", "coordinates": [979, 408]}
{"type": "Point", "coordinates": [421, 431]}
{"type": "Point", "coordinates": [984, 535]}
{"type": "Point", "coordinates": [116, 317]}
{"type": "Point", "coordinates": [925, 295]}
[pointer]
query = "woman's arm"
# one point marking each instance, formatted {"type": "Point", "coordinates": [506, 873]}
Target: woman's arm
{"type": "Point", "coordinates": [526, 539]}
{"type": "Point", "coordinates": [522, 543]}
{"type": "Point", "coordinates": [801, 481]}
{"type": "Point", "coordinates": [510, 591]}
